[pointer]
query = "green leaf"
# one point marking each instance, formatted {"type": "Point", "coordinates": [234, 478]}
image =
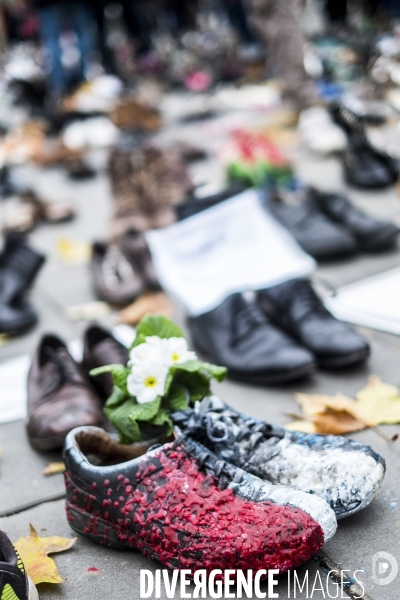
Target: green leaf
{"type": "Point", "coordinates": [145, 412]}
{"type": "Point", "coordinates": [176, 399]}
{"type": "Point", "coordinates": [129, 431]}
{"type": "Point", "coordinates": [197, 383]}
{"type": "Point", "coordinates": [119, 374]}
{"type": "Point", "coordinates": [194, 366]}
{"type": "Point", "coordinates": [117, 398]}
{"type": "Point", "coordinates": [159, 326]}
{"type": "Point", "coordinates": [162, 419]}
{"type": "Point", "coordinates": [218, 373]}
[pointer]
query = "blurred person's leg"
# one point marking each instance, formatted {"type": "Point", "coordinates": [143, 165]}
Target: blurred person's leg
{"type": "Point", "coordinates": [51, 20]}
{"type": "Point", "coordinates": [106, 52]}
{"type": "Point", "coordinates": [278, 26]}
{"type": "Point", "coordinates": [276, 23]}
{"type": "Point", "coordinates": [238, 18]}
{"type": "Point", "coordinates": [139, 22]}
{"type": "Point", "coordinates": [83, 20]}
{"type": "Point", "coordinates": [336, 10]}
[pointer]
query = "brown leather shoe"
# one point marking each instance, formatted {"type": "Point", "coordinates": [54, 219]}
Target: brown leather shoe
{"type": "Point", "coordinates": [60, 397]}
{"type": "Point", "coordinates": [115, 279]}
{"type": "Point", "coordinates": [134, 246]}
{"type": "Point", "coordinates": [101, 348]}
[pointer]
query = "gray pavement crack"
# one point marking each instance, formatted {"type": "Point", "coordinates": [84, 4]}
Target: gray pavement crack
{"type": "Point", "coordinates": [349, 585]}
{"type": "Point", "coordinates": [29, 505]}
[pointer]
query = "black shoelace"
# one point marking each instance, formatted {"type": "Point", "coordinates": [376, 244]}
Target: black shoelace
{"type": "Point", "coordinates": [248, 317]}
{"type": "Point", "coordinates": [223, 428]}
{"type": "Point", "coordinates": [219, 469]}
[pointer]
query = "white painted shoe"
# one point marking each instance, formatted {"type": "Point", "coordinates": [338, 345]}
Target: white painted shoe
{"type": "Point", "coordinates": [319, 133]}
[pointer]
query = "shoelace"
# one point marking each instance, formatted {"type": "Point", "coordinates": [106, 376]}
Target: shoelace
{"type": "Point", "coordinates": [223, 428]}
{"type": "Point", "coordinates": [248, 318]}
{"type": "Point", "coordinates": [219, 468]}
{"type": "Point", "coordinates": [311, 302]}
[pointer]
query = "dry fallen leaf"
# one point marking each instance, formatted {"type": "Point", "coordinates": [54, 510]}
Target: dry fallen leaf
{"type": "Point", "coordinates": [54, 469]}
{"type": "Point", "coordinates": [336, 422]}
{"type": "Point", "coordinates": [155, 304]}
{"type": "Point", "coordinates": [34, 550]}
{"type": "Point", "coordinates": [73, 252]}
{"type": "Point", "coordinates": [377, 404]}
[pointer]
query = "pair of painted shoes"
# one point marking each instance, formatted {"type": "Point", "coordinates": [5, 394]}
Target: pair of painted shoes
{"type": "Point", "coordinates": [229, 493]}
{"type": "Point", "coordinates": [14, 582]}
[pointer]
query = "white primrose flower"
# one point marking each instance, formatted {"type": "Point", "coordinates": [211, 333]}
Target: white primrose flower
{"type": "Point", "coordinates": [177, 352]}
{"type": "Point", "coordinates": [147, 381]}
{"type": "Point", "coordinates": [152, 350]}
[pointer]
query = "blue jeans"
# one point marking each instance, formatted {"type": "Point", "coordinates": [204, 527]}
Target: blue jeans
{"type": "Point", "coordinates": [52, 21]}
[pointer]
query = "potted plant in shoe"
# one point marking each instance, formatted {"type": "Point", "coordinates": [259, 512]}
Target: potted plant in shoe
{"type": "Point", "coordinates": [162, 376]}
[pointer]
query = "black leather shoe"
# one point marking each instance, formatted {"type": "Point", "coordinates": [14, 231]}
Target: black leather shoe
{"type": "Point", "coordinates": [299, 311]}
{"type": "Point", "coordinates": [367, 167]}
{"type": "Point", "coordinates": [19, 266]}
{"type": "Point", "coordinates": [372, 235]}
{"type": "Point", "coordinates": [315, 233]}
{"type": "Point", "coordinates": [237, 335]}
{"type": "Point", "coordinates": [17, 318]}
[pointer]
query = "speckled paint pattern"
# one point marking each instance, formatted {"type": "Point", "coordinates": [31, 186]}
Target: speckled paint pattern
{"type": "Point", "coordinates": [343, 472]}
{"type": "Point", "coordinates": [182, 507]}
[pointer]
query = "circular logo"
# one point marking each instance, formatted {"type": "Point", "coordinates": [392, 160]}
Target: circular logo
{"type": "Point", "coordinates": [384, 568]}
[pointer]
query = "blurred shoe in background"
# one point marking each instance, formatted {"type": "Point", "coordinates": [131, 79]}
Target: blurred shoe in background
{"type": "Point", "coordinates": [237, 335]}
{"type": "Point", "coordinates": [296, 308]}
{"type": "Point", "coordinates": [19, 267]}
{"type": "Point", "coordinates": [60, 396]}
{"type": "Point", "coordinates": [319, 132]}
{"type": "Point", "coordinates": [372, 235]}
{"type": "Point", "coordinates": [101, 348]}
{"type": "Point", "coordinates": [317, 234]}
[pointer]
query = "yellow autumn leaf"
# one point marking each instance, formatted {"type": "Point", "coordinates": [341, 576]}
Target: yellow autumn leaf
{"type": "Point", "coordinates": [34, 552]}
{"type": "Point", "coordinates": [378, 404]}
{"type": "Point", "coordinates": [316, 404]}
{"type": "Point", "coordinates": [301, 426]}
{"type": "Point", "coordinates": [54, 469]}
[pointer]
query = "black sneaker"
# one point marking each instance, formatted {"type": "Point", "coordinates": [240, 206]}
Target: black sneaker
{"type": "Point", "coordinates": [344, 473]}
{"type": "Point", "coordinates": [181, 506]}
{"type": "Point", "coordinates": [296, 308]}
{"type": "Point", "coordinates": [371, 234]}
{"type": "Point", "coordinates": [238, 336]}
{"type": "Point", "coordinates": [14, 582]}
{"type": "Point", "coordinates": [315, 233]}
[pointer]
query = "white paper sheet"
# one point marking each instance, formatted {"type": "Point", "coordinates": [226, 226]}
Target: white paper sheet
{"type": "Point", "coordinates": [232, 247]}
{"type": "Point", "coordinates": [373, 302]}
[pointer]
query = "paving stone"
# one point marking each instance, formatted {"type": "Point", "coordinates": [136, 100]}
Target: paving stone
{"type": "Point", "coordinates": [21, 476]}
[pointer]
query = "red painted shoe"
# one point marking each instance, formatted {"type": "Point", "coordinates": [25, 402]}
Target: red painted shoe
{"type": "Point", "coordinates": [181, 506]}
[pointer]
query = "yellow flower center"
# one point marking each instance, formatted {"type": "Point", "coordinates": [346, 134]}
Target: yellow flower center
{"type": "Point", "coordinates": [175, 357]}
{"type": "Point", "coordinates": [150, 382]}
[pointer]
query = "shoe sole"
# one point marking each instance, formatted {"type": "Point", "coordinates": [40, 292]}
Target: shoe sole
{"type": "Point", "coordinates": [340, 362]}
